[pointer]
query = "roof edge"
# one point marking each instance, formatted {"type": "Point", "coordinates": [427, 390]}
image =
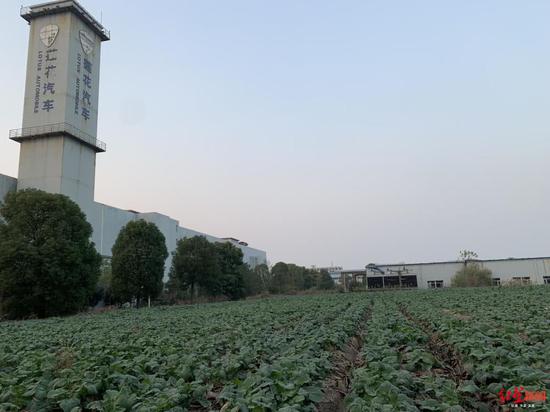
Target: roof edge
{"type": "Point", "coordinates": [60, 6]}
{"type": "Point", "coordinates": [510, 259]}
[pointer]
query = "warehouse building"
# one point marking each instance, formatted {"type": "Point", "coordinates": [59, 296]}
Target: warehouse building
{"type": "Point", "coordinates": [433, 275]}
{"type": "Point", "coordinates": [58, 143]}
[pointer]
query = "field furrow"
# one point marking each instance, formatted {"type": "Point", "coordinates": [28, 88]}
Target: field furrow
{"type": "Point", "coordinates": [265, 354]}
{"type": "Point", "coordinates": [402, 372]}
{"type": "Point", "coordinates": [448, 350]}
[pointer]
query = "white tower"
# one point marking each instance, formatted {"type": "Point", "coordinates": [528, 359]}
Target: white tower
{"type": "Point", "coordinates": [58, 135]}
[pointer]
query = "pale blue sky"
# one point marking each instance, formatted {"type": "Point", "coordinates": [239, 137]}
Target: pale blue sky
{"type": "Point", "coordinates": [342, 132]}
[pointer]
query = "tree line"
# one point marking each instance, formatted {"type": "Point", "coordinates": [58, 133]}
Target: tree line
{"type": "Point", "coordinates": [49, 266]}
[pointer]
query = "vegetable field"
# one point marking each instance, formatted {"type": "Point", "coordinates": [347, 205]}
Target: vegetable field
{"type": "Point", "coordinates": [445, 350]}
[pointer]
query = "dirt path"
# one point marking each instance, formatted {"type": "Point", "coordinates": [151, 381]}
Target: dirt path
{"type": "Point", "coordinates": [338, 384]}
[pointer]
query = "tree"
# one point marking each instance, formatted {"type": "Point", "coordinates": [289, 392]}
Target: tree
{"type": "Point", "coordinates": [195, 263]}
{"type": "Point", "coordinates": [48, 264]}
{"type": "Point", "coordinates": [286, 277]}
{"type": "Point", "coordinates": [325, 280]}
{"type": "Point", "coordinates": [253, 284]}
{"type": "Point", "coordinates": [472, 274]}
{"type": "Point", "coordinates": [296, 276]}
{"type": "Point", "coordinates": [263, 274]}
{"type": "Point", "coordinates": [280, 278]}
{"type": "Point", "coordinates": [466, 255]}
{"type": "Point", "coordinates": [310, 278]}
{"type": "Point", "coordinates": [230, 261]}
{"type": "Point", "coordinates": [103, 292]}
{"type": "Point", "coordinates": [139, 254]}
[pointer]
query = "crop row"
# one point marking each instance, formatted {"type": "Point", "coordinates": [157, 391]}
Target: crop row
{"type": "Point", "coordinates": [401, 373]}
{"type": "Point", "coordinates": [495, 353]}
{"type": "Point", "coordinates": [269, 354]}
{"type": "Point", "coordinates": [522, 314]}
{"type": "Point", "coordinates": [446, 350]}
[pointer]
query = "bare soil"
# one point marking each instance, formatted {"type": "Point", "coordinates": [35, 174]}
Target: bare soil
{"type": "Point", "coordinates": [338, 384]}
{"type": "Point", "coordinates": [457, 315]}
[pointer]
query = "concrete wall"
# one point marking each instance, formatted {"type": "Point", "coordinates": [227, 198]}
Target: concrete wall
{"type": "Point", "coordinates": [78, 178]}
{"type": "Point", "coordinates": [41, 164]}
{"type": "Point", "coordinates": [58, 165]}
{"type": "Point", "coordinates": [107, 222]}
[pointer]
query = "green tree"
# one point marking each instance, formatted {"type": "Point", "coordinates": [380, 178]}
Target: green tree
{"type": "Point", "coordinates": [472, 274]}
{"type": "Point", "coordinates": [195, 263]}
{"type": "Point", "coordinates": [310, 278]}
{"type": "Point", "coordinates": [103, 292]}
{"type": "Point", "coordinates": [281, 281]}
{"type": "Point", "coordinates": [139, 254]}
{"type": "Point", "coordinates": [296, 276]}
{"type": "Point", "coordinates": [253, 284]}
{"type": "Point", "coordinates": [264, 275]}
{"type": "Point", "coordinates": [48, 264]}
{"type": "Point", "coordinates": [287, 277]}
{"type": "Point", "coordinates": [325, 280]}
{"type": "Point", "coordinates": [230, 261]}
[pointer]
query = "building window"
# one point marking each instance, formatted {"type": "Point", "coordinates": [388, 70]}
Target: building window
{"type": "Point", "coordinates": [546, 280]}
{"type": "Point", "coordinates": [435, 284]}
{"type": "Point", "coordinates": [496, 281]}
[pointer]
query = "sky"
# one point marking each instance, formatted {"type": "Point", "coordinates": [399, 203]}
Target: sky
{"type": "Point", "coordinates": [324, 132]}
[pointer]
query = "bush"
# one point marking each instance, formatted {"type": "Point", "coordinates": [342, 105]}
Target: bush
{"type": "Point", "coordinates": [48, 265]}
{"type": "Point", "coordinates": [472, 275]}
{"type": "Point", "coordinates": [137, 265]}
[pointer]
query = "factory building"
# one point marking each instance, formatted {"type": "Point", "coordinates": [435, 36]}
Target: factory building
{"type": "Point", "coordinates": [434, 275]}
{"type": "Point", "coordinates": [58, 139]}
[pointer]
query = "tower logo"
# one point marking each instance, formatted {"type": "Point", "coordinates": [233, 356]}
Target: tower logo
{"type": "Point", "coordinates": [48, 34]}
{"type": "Point", "coordinates": [86, 41]}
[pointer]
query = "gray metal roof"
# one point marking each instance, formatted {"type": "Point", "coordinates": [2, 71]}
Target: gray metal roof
{"type": "Point", "coordinates": [447, 262]}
